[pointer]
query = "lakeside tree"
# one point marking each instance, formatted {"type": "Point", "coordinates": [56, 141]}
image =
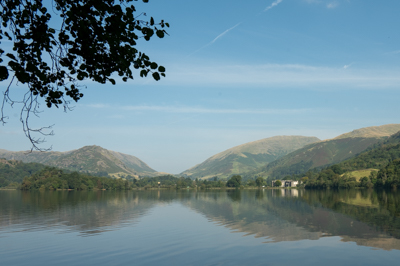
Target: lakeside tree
{"type": "Point", "coordinates": [278, 183]}
{"type": "Point", "coordinates": [260, 181]}
{"type": "Point", "coordinates": [234, 181]}
{"type": "Point", "coordinates": [57, 44]}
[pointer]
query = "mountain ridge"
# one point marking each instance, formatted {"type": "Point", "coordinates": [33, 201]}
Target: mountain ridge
{"type": "Point", "coordinates": [326, 152]}
{"type": "Point", "coordinates": [90, 159]}
{"type": "Point", "coordinates": [247, 156]}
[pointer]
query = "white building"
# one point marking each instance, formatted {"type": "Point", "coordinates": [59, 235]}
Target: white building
{"type": "Point", "coordinates": [286, 183]}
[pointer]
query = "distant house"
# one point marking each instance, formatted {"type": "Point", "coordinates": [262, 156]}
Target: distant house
{"type": "Point", "coordinates": [286, 183]}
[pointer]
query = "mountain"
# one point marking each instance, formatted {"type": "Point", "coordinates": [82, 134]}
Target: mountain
{"type": "Point", "coordinates": [378, 166]}
{"type": "Point", "coordinates": [326, 152]}
{"type": "Point", "coordinates": [90, 159]}
{"type": "Point", "coordinates": [372, 132]}
{"type": "Point", "coordinates": [376, 157]}
{"type": "Point", "coordinates": [247, 157]}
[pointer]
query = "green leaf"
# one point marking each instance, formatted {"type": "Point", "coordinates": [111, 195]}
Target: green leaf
{"type": "Point", "coordinates": [161, 69]}
{"type": "Point", "coordinates": [112, 81]}
{"type": "Point", "coordinates": [151, 21]}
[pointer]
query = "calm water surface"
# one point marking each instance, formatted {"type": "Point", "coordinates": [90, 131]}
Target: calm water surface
{"type": "Point", "coordinates": [250, 227]}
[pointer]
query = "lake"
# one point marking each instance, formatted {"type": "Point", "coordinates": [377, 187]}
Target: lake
{"type": "Point", "coordinates": [188, 227]}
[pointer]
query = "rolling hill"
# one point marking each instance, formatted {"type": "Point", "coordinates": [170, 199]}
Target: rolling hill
{"type": "Point", "coordinates": [247, 157]}
{"type": "Point", "coordinates": [326, 152]}
{"type": "Point", "coordinates": [372, 132]}
{"type": "Point", "coordinates": [89, 159]}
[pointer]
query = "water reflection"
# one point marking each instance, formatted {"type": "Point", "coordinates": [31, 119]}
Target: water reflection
{"type": "Point", "coordinates": [368, 218]}
{"type": "Point", "coordinates": [87, 212]}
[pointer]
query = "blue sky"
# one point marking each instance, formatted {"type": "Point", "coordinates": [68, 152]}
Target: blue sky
{"type": "Point", "coordinates": [239, 71]}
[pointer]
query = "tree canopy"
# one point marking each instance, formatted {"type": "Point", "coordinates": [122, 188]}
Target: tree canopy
{"type": "Point", "coordinates": [56, 44]}
{"type": "Point", "coordinates": [234, 181]}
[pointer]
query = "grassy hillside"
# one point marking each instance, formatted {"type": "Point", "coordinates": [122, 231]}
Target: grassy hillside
{"type": "Point", "coordinates": [315, 155]}
{"type": "Point", "coordinates": [326, 152]}
{"type": "Point", "coordinates": [247, 157]}
{"type": "Point", "coordinates": [90, 159]}
{"type": "Point", "coordinates": [372, 132]}
{"type": "Point", "coordinates": [379, 166]}
{"type": "Point", "coordinates": [376, 156]}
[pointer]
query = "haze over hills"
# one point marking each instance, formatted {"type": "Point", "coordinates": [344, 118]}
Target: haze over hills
{"type": "Point", "coordinates": [248, 156]}
{"type": "Point", "coordinates": [372, 132]}
{"type": "Point", "coordinates": [90, 159]}
{"type": "Point", "coordinates": [326, 152]}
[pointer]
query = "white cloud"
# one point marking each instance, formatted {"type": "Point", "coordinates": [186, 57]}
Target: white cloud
{"type": "Point", "coordinates": [277, 2]}
{"type": "Point", "coordinates": [225, 32]}
{"type": "Point", "coordinates": [99, 106]}
{"type": "Point", "coordinates": [281, 76]}
{"type": "Point", "coordinates": [332, 5]}
{"type": "Point", "coordinates": [200, 110]}
{"type": "Point", "coordinates": [328, 4]}
{"type": "Point", "coordinates": [347, 66]}
{"type": "Point", "coordinates": [216, 38]}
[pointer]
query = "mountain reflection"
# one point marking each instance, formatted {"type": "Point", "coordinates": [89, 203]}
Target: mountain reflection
{"type": "Point", "coordinates": [87, 212]}
{"type": "Point", "coordinates": [368, 218]}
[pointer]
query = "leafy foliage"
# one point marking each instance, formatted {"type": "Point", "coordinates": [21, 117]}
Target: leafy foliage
{"type": "Point", "coordinates": [13, 172]}
{"type": "Point", "coordinates": [54, 48]}
{"type": "Point", "coordinates": [234, 181]}
{"type": "Point", "coordinates": [51, 178]}
{"type": "Point", "coordinates": [384, 155]}
{"type": "Point", "coordinates": [319, 154]}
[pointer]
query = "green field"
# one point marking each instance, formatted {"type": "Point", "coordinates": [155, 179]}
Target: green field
{"type": "Point", "coordinates": [361, 173]}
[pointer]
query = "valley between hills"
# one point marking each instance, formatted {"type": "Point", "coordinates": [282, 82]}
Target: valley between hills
{"type": "Point", "coordinates": [273, 158]}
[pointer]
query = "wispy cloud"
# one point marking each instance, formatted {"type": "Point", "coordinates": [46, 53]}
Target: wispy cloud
{"type": "Point", "coordinates": [347, 66]}
{"type": "Point", "coordinates": [328, 4]}
{"type": "Point", "coordinates": [225, 32]}
{"type": "Point", "coordinates": [282, 76]}
{"type": "Point", "coordinates": [231, 28]}
{"type": "Point", "coordinates": [332, 5]}
{"type": "Point", "coordinates": [99, 105]}
{"type": "Point", "coordinates": [215, 39]}
{"type": "Point", "coordinates": [277, 2]}
{"type": "Point", "coordinates": [200, 110]}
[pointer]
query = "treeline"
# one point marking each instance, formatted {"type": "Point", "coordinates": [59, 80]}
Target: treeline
{"type": "Point", "coordinates": [383, 156]}
{"type": "Point", "coordinates": [51, 178]}
{"type": "Point", "coordinates": [336, 177]}
{"type": "Point", "coordinates": [12, 172]}
{"type": "Point", "coordinates": [181, 182]}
